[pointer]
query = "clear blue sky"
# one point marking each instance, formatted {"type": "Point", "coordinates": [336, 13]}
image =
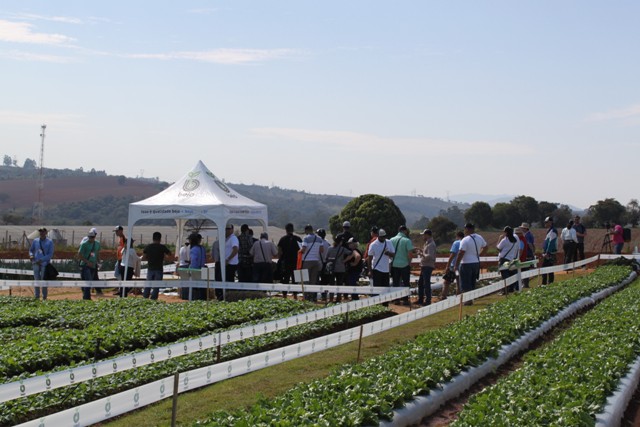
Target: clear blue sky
{"type": "Point", "coordinates": [339, 97]}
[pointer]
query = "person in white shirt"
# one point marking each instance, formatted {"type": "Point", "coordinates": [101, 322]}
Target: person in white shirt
{"type": "Point", "coordinates": [379, 256]}
{"type": "Point", "coordinates": [312, 252]}
{"type": "Point", "coordinates": [509, 249]}
{"type": "Point", "coordinates": [569, 239]}
{"type": "Point", "coordinates": [468, 261]}
{"type": "Point", "coordinates": [231, 247]}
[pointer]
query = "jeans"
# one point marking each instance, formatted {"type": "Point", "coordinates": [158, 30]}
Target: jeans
{"type": "Point", "coordinates": [468, 275]}
{"type": "Point", "coordinates": [152, 275]}
{"type": "Point", "coordinates": [617, 248]}
{"type": "Point", "coordinates": [86, 273]}
{"type": "Point", "coordinates": [579, 251]}
{"type": "Point", "coordinates": [38, 274]}
{"type": "Point", "coordinates": [548, 261]}
{"type": "Point", "coordinates": [505, 274]}
{"type": "Point", "coordinates": [424, 284]}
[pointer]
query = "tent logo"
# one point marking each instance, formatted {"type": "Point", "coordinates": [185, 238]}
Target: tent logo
{"type": "Point", "coordinates": [191, 183]}
{"type": "Point", "coordinates": [219, 183]}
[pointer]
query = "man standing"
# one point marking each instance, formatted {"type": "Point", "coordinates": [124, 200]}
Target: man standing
{"type": "Point", "coordinates": [312, 252]}
{"type": "Point", "coordinates": [450, 276]}
{"type": "Point", "coordinates": [618, 238]}
{"type": "Point", "coordinates": [263, 252]}
{"type": "Point", "coordinates": [89, 254]}
{"type": "Point", "coordinates": [345, 235]}
{"type": "Point", "coordinates": [530, 248]}
{"type": "Point", "coordinates": [40, 254]}
{"type": "Point", "coordinates": [231, 247]}
{"type": "Point", "coordinates": [549, 250]}
{"type": "Point", "coordinates": [401, 263]}
{"type": "Point", "coordinates": [581, 232]}
{"type": "Point", "coordinates": [468, 261]}
{"type": "Point", "coordinates": [155, 254]}
{"type": "Point", "coordinates": [245, 264]}
{"type": "Point", "coordinates": [427, 264]}
{"type": "Point", "coordinates": [288, 247]}
{"type": "Point", "coordinates": [380, 254]}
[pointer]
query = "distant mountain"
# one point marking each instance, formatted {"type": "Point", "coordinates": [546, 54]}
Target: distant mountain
{"type": "Point", "coordinates": [471, 198]}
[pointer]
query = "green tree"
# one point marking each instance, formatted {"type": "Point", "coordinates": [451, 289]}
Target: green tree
{"type": "Point", "coordinates": [454, 214]}
{"type": "Point", "coordinates": [546, 209]}
{"type": "Point", "coordinates": [607, 211]}
{"type": "Point", "coordinates": [633, 212]}
{"type": "Point", "coordinates": [30, 164]}
{"type": "Point", "coordinates": [121, 179]}
{"type": "Point", "coordinates": [443, 229]}
{"type": "Point", "coordinates": [527, 208]}
{"type": "Point", "coordinates": [7, 160]}
{"type": "Point", "coordinates": [366, 211]}
{"type": "Point", "coordinates": [506, 214]}
{"type": "Point", "coordinates": [563, 215]}
{"type": "Point", "coordinates": [421, 223]}
{"type": "Point", "coordinates": [479, 214]}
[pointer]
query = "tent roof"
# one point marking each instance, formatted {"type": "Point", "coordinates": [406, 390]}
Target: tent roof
{"type": "Point", "coordinates": [199, 194]}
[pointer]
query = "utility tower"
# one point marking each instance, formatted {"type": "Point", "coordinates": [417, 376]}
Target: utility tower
{"type": "Point", "coordinates": [38, 207]}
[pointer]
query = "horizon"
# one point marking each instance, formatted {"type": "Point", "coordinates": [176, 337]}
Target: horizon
{"type": "Point", "coordinates": [414, 98]}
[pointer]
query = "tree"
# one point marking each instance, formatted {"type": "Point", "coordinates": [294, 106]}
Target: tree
{"type": "Point", "coordinates": [421, 223]}
{"type": "Point", "coordinates": [366, 211]}
{"type": "Point", "coordinates": [479, 214]}
{"type": "Point", "coordinates": [527, 208]}
{"type": "Point", "coordinates": [443, 229]}
{"type": "Point", "coordinates": [607, 211]}
{"type": "Point", "coordinates": [454, 214]}
{"type": "Point", "coordinates": [506, 214]}
{"type": "Point", "coordinates": [633, 212]}
{"type": "Point", "coordinates": [121, 179]}
{"type": "Point", "coordinates": [7, 160]}
{"type": "Point", "coordinates": [546, 209]}
{"type": "Point", "coordinates": [30, 164]}
{"type": "Point", "coordinates": [563, 215]}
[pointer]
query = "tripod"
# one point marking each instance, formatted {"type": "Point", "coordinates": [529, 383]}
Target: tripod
{"type": "Point", "coordinates": [606, 244]}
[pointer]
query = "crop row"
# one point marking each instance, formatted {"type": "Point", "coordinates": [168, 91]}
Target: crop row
{"type": "Point", "coordinates": [568, 381]}
{"type": "Point", "coordinates": [66, 332]}
{"type": "Point", "coordinates": [369, 392]}
{"type": "Point", "coordinates": [31, 407]}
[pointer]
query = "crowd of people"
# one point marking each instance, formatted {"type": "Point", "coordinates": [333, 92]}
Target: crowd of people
{"type": "Point", "coordinates": [384, 261]}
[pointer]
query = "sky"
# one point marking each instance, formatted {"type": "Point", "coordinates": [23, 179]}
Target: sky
{"type": "Point", "coordinates": [429, 98]}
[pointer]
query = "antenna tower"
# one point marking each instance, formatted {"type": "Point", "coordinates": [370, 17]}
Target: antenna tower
{"type": "Point", "coordinates": [38, 207]}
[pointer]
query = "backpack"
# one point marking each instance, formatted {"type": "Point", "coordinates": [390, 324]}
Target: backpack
{"type": "Point", "coordinates": [626, 234]}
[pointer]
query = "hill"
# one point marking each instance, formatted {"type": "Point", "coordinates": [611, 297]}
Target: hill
{"type": "Point", "coordinates": [76, 197]}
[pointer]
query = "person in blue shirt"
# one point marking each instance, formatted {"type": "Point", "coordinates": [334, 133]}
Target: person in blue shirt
{"type": "Point", "coordinates": [40, 254]}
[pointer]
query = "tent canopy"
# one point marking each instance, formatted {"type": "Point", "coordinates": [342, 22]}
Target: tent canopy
{"type": "Point", "coordinates": [199, 194]}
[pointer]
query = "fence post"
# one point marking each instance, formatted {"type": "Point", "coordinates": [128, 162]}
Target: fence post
{"type": "Point", "coordinates": [174, 410]}
{"type": "Point", "coordinates": [360, 343]}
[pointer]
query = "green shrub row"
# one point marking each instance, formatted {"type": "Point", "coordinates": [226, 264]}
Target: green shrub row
{"type": "Point", "coordinates": [568, 381]}
{"type": "Point", "coordinates": [31, 407]}
{"type": "Point", "coordinates": [366, 393]}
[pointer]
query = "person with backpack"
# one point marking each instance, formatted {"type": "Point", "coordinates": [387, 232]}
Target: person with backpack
{"type": "Point", "coordinates": [40, 254]}
{"type": "Point", "coordinates": [354, 266]}
{"type": "Point", "coordinates": [336, 265]}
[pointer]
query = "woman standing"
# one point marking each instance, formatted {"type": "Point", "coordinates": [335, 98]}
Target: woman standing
{"type": "Point", "coordinates": [509, 249]}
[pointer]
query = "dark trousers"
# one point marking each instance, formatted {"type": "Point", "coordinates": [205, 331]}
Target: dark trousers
{"type": "Point", "coordinates": [505, 274]}
{"type": "Point", "coordinates": [86, 274]}
{"type": "Point", "coordinates": [469, 273]}
{"type": "Point", "coordinates": [380, 278]}
{"type": "Point", "coordinates": [548, 261]}
{"type": "Point", "coordinates": [579, 251]}
{"type": "Point", "coordinates": [424, 285]}
{"type": "Point", "coordinates": [401, 276]}
{"type": "Point", "coordinates": [217, 271]}
{"type": "Point", "coordinates": [287, 277]}
{"type": "Point", "coordinates": [262, 272]}
{"type": "Point", "coordinates": [569, 249]}
{"type": "Point", "coordinates": [245, 273]}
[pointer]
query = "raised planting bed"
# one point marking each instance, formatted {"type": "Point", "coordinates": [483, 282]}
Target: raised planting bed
{"type": "Point", "coordinates": [568, 381]}
{"type": "Point", "coordinates": [368, 393]}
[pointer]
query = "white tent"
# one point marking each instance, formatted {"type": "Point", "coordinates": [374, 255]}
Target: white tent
{"type": "Point", "coordinates": [200, 195]}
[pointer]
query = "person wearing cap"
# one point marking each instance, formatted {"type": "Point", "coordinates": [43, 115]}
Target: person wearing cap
{"type": "Point", "coordinates": [354, 266]}
{"type": "Point", "coordinates": [183, 255]}
{"type": "Point", "coordinates": [263, 251]}
{"type": "Point", "coordinates": [155, 253]}
{"type": "Point", "coordinates": [89, 255]}
{"type": "Point", "coordinates": [346, 234]}
{"type": "Point", "coordinates": [40, 254]}
{"type": "Point", "coordinates": [468, 260]}
{"type": "Point", "coordinates": [581, 233]}
{"type": "Point", "coordinates": [245, 260]}
{"type": "Point", "coordinates": [549, 250]}
{"type": "Point", "coordinates": [288, 247]}
{"type": "Point", "coordinates": [401, 262]}
{"type": "Point", "coordinates": [379, 257]}
{"type": "Point", "coordinates": [311, 250]}
{"type": "Point", "coordinates": [427, 264]}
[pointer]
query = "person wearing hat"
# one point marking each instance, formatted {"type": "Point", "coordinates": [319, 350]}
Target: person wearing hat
{"type": "Point", "coordinates": [263, 251]}
{"type": "Point", "coordinates": [346, 234]}
{"type": "Point", "coordinates": [427, 264]}
{"type": "Point", "coordinates": [89, 255]}
{"type": "Point", "coordinates": [40, 254]}
{"type": "Point", "coordinates": [183, 255]}
{"type": "Point", "coordinates": [549, 250]}
{"type": "Point", "coordinates": [401, 262]}
{"type": "Point", "coordinates": [379, 257]}
{"type": "Point", "coordinates": [468, 261]}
